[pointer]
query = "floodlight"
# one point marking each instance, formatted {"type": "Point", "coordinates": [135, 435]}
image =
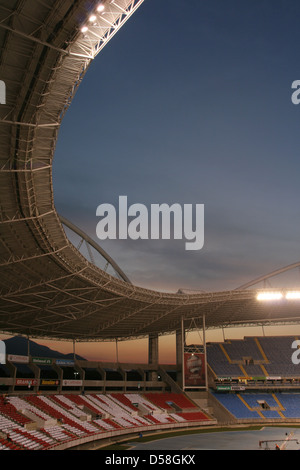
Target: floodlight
{"type": "Point", "coordinates": [84, 29]}
{"type": "Point", "coordinates": [92, 18]}
{"type": "Point", "coordinates": [293, 295]}
{"type": "Point", "coordinates": [100, 8]}
{"type": "Point", "coordinates": [269, 296]}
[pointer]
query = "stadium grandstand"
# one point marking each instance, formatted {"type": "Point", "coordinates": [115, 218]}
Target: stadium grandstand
{"type": "Point", "coordinates": [49, 290]}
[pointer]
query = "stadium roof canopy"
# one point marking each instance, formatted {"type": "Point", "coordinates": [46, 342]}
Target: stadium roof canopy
{"type": "Point", "coordinates": [47, 287]}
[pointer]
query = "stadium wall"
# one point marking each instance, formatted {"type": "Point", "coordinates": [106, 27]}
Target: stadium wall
{"type": "Point", "coordinates": [105, 439]}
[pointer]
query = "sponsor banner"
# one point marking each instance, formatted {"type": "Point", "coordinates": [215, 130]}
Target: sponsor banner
{"type": "Point", "coordinates": [18, 359]}
{"type": "Point", "coordinates": [228, 388]}
{"type": "Point", "coordinates": [49, 382]}
{"type": "Point", "coordinates": [27, 382]}
{"type": "Point", "coordinates": [194, 370]}
{"type": "Point", "coordinates": [274, 378]}
{"type": "Point", "coordinates": [72, 383]}
{"type": "Point", "coordinates": [65, 362]}
{"type": "Point", "coordinates": [42, 360]}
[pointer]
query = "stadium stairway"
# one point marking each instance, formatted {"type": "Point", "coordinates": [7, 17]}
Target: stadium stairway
{"type": "Point", "coordinates": [248, 406]}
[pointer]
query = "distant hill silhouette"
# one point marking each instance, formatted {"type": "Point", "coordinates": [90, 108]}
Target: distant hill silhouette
{"type": "Point", "coordinates": [18, 345]}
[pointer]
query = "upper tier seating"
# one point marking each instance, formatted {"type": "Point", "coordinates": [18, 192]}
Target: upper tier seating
{"type": "Point", "coordinates": [219, 363]}
{"type": "Point", "coordinates": [237, 349]}
{"type": "Point", "coordinates": [278, 351]}
{"type": "Point", "coordinates": [269, 356]}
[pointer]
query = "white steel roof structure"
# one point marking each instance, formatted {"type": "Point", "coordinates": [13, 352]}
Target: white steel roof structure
{"type": "Point", "coordinates": [47, 287]}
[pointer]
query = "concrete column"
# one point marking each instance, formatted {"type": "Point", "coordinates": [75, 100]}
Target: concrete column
{"type": "Point", "coordinates": [153, 349]}
{"type": "Point", "coordinates": [153, 355]}
{"type": "Point", "coordinates": [179, 357]}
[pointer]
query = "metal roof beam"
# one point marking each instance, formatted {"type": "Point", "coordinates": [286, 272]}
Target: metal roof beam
{"type": "Point", "coordinates": [46, 44]}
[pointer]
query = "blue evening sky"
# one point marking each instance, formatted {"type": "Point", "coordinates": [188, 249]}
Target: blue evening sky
{"type": "Point", "coordinates": [191, 103]}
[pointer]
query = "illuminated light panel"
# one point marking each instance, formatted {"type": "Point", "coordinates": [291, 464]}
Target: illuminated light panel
{"type": "Point", "coordinates": [293, 295]}
{"type": "Point", "coordinates": [270, 296]}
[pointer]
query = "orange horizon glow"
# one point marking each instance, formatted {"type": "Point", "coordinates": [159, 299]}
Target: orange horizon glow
{"type": "Point", "coordinates": [136, 351]}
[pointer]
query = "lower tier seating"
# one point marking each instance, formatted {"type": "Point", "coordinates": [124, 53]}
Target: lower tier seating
{"type": "Point", "coordinates": [280, 405]}
{"type": "Point", "coordinates": [38, 422]}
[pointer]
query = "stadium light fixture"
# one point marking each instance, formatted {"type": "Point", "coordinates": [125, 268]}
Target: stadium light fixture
{"type": "Point", "coordinates": [292, 295]}
{"type": "Point", "coordinates": [93, 18]}
{"type": "Point", "coordinates": [269, 296]}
